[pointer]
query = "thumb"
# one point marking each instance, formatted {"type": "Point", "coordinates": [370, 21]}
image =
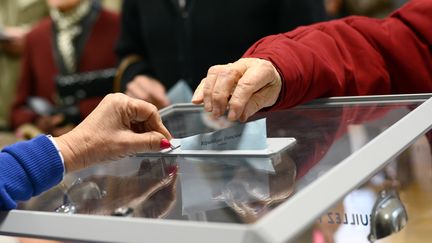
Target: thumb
{"type": "Point", "coordinates": [256, 102]}
{"type": "Point", "coordinates": [198, 96]}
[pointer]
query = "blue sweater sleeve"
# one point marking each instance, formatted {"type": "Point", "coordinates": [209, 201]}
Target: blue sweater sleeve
{"type": "Point", "coordinates": [27, 169]}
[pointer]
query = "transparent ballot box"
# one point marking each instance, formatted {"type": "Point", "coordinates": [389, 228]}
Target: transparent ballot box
{"type": "Point", "coordinates": [360, 170]}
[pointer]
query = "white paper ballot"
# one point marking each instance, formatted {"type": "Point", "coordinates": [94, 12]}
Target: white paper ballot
{"type": "Point", "coordinates": [248, 136]}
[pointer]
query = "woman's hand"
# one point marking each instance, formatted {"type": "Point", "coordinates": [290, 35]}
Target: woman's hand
{"type": "Point", "coordinates": [243, 87]}
{"type": "Point", "coordinates": [119, 126]}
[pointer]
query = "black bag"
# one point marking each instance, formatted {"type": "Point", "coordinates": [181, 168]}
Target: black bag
{"type": "Point", "coordinates": [75, 87]}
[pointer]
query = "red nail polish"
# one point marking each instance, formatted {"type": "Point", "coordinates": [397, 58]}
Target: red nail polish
{"type": "Point", "coordinates": [171, 170]}
{"type": "Point", "coordinates": [164, 143]}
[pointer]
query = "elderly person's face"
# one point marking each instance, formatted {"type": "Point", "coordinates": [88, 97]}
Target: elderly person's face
{"type": "Point", "coordinates": [63, 5]}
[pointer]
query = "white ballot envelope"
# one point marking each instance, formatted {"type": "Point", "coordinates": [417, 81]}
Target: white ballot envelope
{"type": "Point", "coordinates": [248, 139]}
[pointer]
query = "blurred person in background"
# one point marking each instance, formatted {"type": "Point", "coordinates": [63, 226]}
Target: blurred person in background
{"type": "Point", "coordinates": [113, 5]}
{"type": "Point", "coordinates": [163, 42]}
{"type": "Point", "coordinates": [16, 19]}
{"type": "Point", "coordinates": [78, 37]}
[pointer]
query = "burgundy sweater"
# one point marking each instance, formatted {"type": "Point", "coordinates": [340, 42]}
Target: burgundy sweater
{"type": "Point", "coordinates": [39, 67]}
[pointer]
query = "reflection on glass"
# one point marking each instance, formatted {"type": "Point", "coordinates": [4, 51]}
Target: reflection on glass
{"type": "Point", "coordinates": [142, 188]}
{"type": "Point", "coordinates": [77, 194]}
{"type": "Point", "coordinates": [149, 192]}
{"type": "Point", "coordinates": [246, 186]}
{"type": "Point", "coordinates": [123, 212]}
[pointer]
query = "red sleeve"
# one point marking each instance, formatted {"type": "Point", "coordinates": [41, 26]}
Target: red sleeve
{"type": "Point", "coordinates": [20, 113]}
{"type": "Point", "coordinates": [353, 56]}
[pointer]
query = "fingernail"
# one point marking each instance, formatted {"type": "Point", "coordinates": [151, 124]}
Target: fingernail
{"type": "Point", "coordinates": [232, 115]}
{"type": "Point", "coordinates": [197, 98]}
{"type": "Point", "coordinates": [216, 112]}
{"type": "Point", "coordinates": [164, 143]}
{"type": "Point", "coordinates": [244, 117]}
{"type": "Point", "coordinates": [207, 107]}
{"type": "Point", "coordinates": [194, 97]}
{"type": "Point", "coordinates": [171, 170]}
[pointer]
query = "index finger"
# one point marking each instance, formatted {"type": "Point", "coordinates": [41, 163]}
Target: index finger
{"type": "Point", "coordinates": [198, 96]}
{"type": "Point", "coordinates": [145, 112]}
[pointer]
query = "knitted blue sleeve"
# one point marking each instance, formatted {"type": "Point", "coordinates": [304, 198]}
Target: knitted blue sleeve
{"type": "Point", "coordinates": [27, 169]}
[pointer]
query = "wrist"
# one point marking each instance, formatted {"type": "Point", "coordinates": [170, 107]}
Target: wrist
{"type": "Point", "coordinates": [69, 152]}
{"type": "Point", "coordinates": [54, 142]}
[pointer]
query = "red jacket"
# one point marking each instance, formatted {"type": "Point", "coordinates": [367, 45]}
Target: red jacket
{"type": "Point", "coordinates": [353, 56]}
{"type": "Point", "coordinates": [39, 67]}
